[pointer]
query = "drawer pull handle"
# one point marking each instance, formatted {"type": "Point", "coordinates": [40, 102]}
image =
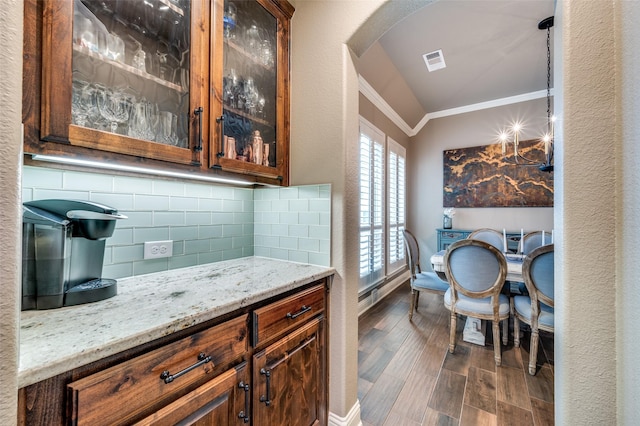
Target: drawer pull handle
{"type": "Point", "coordinates": [244, 415]}
{"type": "Point", "coordinates": [266, 399]}
{"type": "Point", "coordinates": [168, 377]}
{"type": "Point", "coordinates": [302, 310]}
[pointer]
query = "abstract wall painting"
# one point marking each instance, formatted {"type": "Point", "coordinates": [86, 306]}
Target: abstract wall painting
{"type": "Point", "coordinates": [479, 177]}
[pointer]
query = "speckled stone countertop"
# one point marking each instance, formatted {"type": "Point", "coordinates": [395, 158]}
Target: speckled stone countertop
{"type": "Point", "coordinates": [148, 307]}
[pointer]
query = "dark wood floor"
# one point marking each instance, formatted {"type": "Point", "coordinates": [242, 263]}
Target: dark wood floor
{"type": "Point", "coordinates": [406, 376]}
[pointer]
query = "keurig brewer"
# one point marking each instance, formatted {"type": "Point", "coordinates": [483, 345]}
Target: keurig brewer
{"type": "Point", "coordinates": [63, 244]}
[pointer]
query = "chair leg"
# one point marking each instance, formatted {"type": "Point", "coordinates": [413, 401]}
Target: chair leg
{"type": "Point", "coordinates": [533, 351]}
{"type": "Point", "coordinates": [497, 354]}
{"type": "Point", "coordinates": [452, 332]}
{"type": "Point", "coordinates": [516, 331]}
{"type": "Point", "coordinates": [505, 331]}
{"type": "Point", "coordinates": [414, 300]}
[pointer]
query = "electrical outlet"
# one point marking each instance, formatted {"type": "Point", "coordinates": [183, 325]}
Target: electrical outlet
{"type": "Point", "coordinates": [157, 249]}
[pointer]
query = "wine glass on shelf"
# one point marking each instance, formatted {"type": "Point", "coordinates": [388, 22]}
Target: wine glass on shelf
{"type": "Point", "coordinates": [114, 105]}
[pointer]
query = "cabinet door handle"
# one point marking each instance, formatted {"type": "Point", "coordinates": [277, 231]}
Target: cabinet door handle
{"type": "Point", "coordinates": [202, 359]}
{"type": "Point", "coordinates": [198, 113]}
{"type": "Point", "coordinates": [266, 399]}
{"type": "Point", "coordinates": [302, 310]}
{"type": "Point", "coordinates": [244, 415]}
{"type": "Point", "coordinates": [220, 120]}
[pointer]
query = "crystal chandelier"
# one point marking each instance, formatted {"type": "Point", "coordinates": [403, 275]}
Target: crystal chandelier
{"type": "Point", "coordinates": [516, 156]}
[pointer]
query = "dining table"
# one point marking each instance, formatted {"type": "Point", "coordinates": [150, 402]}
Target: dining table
{"type": "Point", "coordinates": [514, 266]}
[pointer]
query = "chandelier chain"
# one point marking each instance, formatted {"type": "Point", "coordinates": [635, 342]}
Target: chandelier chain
{"type": "Point", "coordinates": [549, 78]}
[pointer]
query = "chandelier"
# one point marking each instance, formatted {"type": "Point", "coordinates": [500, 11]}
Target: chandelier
{"type": "Point", "coordinates": [516, 156]}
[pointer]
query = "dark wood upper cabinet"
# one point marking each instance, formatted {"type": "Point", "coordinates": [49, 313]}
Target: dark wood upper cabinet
{"type": "Point", "coordinates": [197, 86]}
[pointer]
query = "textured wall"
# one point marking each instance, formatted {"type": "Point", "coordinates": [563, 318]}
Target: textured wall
{"type": "Point", "coordinates": [10, 161]}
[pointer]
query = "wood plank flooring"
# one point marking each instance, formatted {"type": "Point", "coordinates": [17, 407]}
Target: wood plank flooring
{"type": "Point", "coordinates": [407, 377]}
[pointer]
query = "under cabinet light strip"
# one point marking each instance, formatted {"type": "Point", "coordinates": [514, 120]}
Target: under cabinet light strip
{"type": "Point", "coordinates": [123, 168]}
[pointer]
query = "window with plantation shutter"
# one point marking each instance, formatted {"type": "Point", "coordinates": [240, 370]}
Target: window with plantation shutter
{"type": "Point", "coordinates": [396, 205]}
{"type": "Point", "coordinates": [372, 205]}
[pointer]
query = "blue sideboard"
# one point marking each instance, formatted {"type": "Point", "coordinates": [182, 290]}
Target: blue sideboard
{"type": "Point", "coordinates": [447, 237]}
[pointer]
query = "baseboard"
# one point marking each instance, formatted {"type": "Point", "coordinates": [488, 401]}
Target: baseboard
{"type": "Point", "coordinates": [351, 419]}
{"type": "Point", "coordinates": [368, 302]}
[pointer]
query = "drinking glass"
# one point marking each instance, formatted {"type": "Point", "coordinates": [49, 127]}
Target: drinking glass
{"type": "Point", "coordinates": [114, 105]}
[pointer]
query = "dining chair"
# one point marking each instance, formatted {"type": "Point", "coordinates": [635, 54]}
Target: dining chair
{"type": "Point", "coordinates": [536, 309]}
{"type": "Point", "coordinates": [476, 272]}
{"type": "Point", "coordinates": [531, 241]}
{"type": "Point", "coordinates": [420, 281]}
{"type": "Point", "coordinates": [488, 235]}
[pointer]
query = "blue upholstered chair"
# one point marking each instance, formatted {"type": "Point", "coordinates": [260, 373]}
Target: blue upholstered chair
{"type": "Point", "coordinates": [420, 281]}
{"type": "Point", "coordinates": [476, 273]}
{"type": "Point", "coordinates": [491, 236]}
{"type": "Point", "coordinates": [536, 309]}
{"type": "Point", "coordinates": [533, 240]}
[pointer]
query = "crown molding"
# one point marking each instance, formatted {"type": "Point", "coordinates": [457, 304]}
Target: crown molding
{"type": "Point", "coordinates": [370, 93]}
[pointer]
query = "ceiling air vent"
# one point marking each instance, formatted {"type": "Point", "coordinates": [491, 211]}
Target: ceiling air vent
{"type": "Point", "coordinates": [434, 60]}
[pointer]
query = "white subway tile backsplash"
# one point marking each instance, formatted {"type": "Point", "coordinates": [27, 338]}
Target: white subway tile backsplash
{"type": "Point", "coordinates": [209, 204]}
{"type": "Point", "coordinates": [41, 193]}
{"type": "Point", "coordinates": [39, 177]}
{"type": "Point", "coordinates": [289, 193]}
{"type": "Point", "coordinates": [231, 230]}
{"type": "Point", "coordinates": [133, 185]}
{"type": "Point", "coordinates": [81, 181]}
{"type": "Point", "coordinates": [169, 218]}
{"type": "Point", "coordinates": [288, 243]}
{"type": "Point", "coordinates": [183, 203]}
{"type": "Point", "coordinates": [196, 246]}
{"type": "Point", "coordinates": [309, 218]}
{"type": "Point", "coordinates": [142, 235]}
{"type": "Point", "coordinates": [151, 202]}
{"type": "Point", "coordinates": [135, 219]}
{"type": "Point", "coordinates": [298, 256]}
{"type": "Point", "coordinates": [168, 187]}
{"type": "Point", "coordinates": [207, 222]}
{"type": "Point", "coordinates": [209, 231]}
{"type": "Point", "coordinates": [280, 230]}
{"type": "Point", "coordinates": [198, 218]}
{"type": "Point", "coordinates": [320, 232]}
{"type": "Point", "coordinates": [123, 201]}
{"type": "Point", "coordinates": [322, 259]}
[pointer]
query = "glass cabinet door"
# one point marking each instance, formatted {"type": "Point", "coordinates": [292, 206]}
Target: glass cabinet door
{"type": "Point", "coordinates": [253, 93]}
{"type": "Point", "coordinates": [131, 77]}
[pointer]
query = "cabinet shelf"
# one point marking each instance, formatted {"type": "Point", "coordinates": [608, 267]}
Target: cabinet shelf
{"type": "Point", "coordinates": [239, 49]}
{"type": "Point", "coordinates": [127, 68]}
{"type": "Point", "coordinates": [248, 116]}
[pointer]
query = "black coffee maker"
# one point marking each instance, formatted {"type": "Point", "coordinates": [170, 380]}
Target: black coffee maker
{"type": "Point", "coordinates": [63, 244]}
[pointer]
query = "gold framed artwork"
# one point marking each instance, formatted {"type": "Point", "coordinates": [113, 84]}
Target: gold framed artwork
{"type": "Point", "coordinates": [480, 177]}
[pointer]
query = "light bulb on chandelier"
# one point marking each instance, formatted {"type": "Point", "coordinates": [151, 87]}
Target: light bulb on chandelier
{"type": "Point", "coordinates": [505, 136]}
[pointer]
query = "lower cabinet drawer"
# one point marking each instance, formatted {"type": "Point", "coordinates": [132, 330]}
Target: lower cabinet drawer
{"type": "Point", "coordinates": [276, 318]}
{"type": "Point", "coordinates": [121, 393]}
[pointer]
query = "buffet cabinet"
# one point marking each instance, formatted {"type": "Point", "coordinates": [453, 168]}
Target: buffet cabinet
{"type": "Point", "coordinates": [446, 237]}
{"type": "Point", "coordinates": [196, 86]}
{"type": "Point", "coordinates": [266, 365]}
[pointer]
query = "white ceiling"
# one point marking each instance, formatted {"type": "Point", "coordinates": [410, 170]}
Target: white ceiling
{"type": "Point", "coordinates": [492, 49]}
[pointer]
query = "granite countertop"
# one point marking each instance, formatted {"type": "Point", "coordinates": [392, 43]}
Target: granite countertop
{"type": "Point", "coordinates": [148, 307]}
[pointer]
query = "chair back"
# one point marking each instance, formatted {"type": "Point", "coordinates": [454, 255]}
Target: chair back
{"type": "Point", "coordinates": [533, 240]}
{"type": "Point", "coordinates": [475, 268]}
{"type": "Point", "coordinates": [413, 252]}
{"type": "Point", "coordinates": [537, 272]}
{"type": "Point", "coordinates": [491, 236]}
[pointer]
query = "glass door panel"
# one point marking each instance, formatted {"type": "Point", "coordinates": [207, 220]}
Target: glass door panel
{"type": "Point", "coordinates": [131, 66]}
{"type": "Point", "coordinates": [249, 92]}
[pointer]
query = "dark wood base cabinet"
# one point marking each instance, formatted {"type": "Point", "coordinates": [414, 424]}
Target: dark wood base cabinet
{"type": "Point", "coordinates": [208, 375]}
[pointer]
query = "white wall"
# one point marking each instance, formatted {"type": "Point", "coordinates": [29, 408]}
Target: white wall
{"type": "Point", "coordinates": [424, 169]}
